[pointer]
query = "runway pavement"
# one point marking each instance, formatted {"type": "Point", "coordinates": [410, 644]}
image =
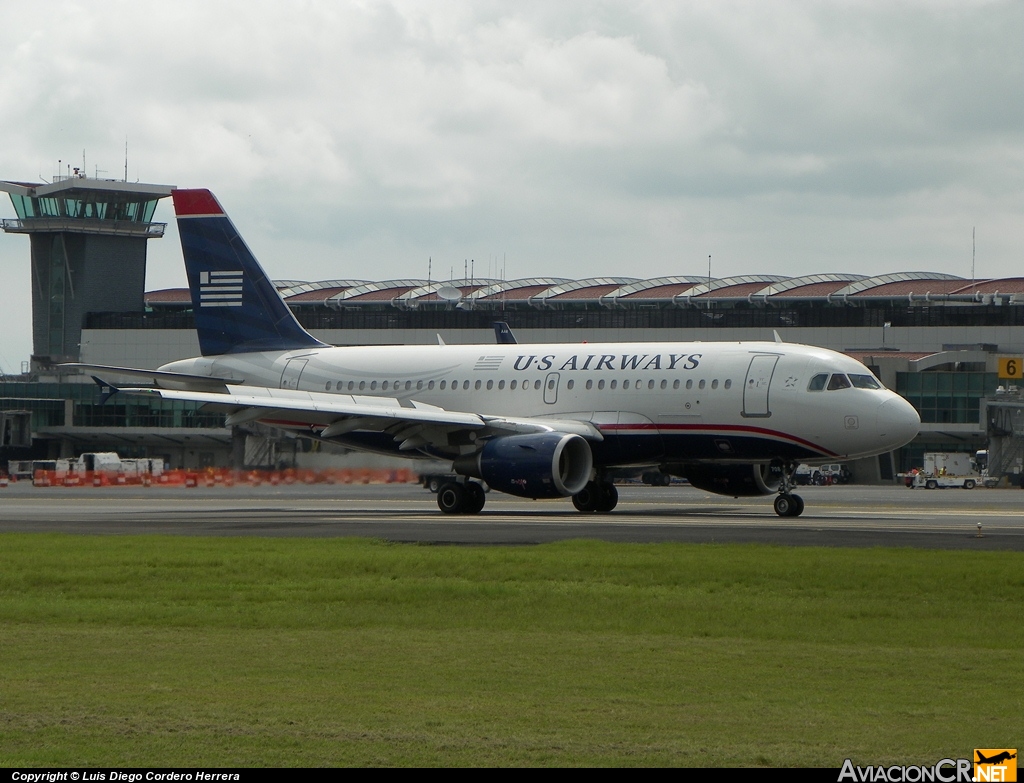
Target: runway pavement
{"type": "Point", "coordinates": [834, 516]}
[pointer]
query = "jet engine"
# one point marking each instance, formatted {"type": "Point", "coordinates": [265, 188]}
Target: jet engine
{"type": "Point", "coordinates": [734, 480]}
{"type": "Point", "coordinates": [545, 465]}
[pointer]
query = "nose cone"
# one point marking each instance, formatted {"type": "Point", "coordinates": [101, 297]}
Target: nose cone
{"type": "Point", "coordinates": [898, 422]}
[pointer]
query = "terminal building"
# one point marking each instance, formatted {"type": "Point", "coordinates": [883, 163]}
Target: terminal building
{"type": "Point", "coordinates": [942, 341]}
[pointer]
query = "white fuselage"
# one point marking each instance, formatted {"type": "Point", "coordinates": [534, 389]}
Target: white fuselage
{"type": "Point", "coordinates": [737, 402]}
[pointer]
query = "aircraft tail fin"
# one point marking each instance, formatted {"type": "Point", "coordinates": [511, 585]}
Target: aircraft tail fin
{"type": "Point", "coordinates": [107, 390]}
{"type": "Point", "coordinates": [237, 308]}
{"type": "Point", "coordinates": [503, 334]}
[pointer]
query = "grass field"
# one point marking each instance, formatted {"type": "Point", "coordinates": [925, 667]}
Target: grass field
{"type": "Point", "coordinates": [132, 651]}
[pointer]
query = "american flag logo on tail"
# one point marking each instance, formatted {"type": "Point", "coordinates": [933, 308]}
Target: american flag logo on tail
{"type": "Point", "coordinates": [220, 289]}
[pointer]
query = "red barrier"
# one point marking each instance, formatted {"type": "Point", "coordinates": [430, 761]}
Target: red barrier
{"type": "Point", "coordinates": [213, 477]}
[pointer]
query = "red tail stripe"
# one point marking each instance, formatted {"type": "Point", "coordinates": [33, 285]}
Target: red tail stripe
{"type": "Point", "coordinates": [195, 202]}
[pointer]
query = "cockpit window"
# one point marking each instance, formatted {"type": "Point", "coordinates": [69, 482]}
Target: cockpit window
{"type": "Point", "coordinates": [865, 381]}
{"type": "Point", "coordinates": [838, 381]}
{"type": "Point", "coordinates": [818, 382]}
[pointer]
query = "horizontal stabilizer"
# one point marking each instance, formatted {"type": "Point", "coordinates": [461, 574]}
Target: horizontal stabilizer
{"type": "Point", "coordinates": [155, 377]}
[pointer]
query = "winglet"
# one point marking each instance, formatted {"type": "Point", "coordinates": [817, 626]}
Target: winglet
{"type": "Point", "coordinates": [777, 338]}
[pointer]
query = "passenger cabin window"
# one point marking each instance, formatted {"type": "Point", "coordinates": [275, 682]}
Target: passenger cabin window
{"type": "Point", "coordinates": [838, 381]}
{"type": "Point", "coordinates": [818, 382]}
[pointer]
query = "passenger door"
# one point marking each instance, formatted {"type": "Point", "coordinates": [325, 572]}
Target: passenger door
{"type": "Point", "coordinates": [756, 403]}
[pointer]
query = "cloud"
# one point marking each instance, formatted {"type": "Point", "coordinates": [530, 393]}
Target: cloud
{"type": "Point", "coordinates": [359, 139]}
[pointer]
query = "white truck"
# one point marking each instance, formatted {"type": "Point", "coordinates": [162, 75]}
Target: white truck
{"type": "Point", "coordinates": [943, 469]}
{"type": "Point", "coordinates": [107, 462]}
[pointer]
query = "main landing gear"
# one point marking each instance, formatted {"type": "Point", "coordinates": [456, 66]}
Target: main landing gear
{"type": "Point", "coordinates": [597, 497]}
{"type": "Point", "coordinates": [786, 503]}
{"type": "Point", "coordinates": [456, 498]}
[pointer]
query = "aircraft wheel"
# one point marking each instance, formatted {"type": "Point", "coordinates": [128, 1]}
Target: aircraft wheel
{"type": "Point", "coordinates": [609, 497]}
{"type": "Point", "coordinates": [475, 498]}
{"type": "Point", "coordinates": [784, 505]}
{"type": "Point", "coordinates": [451, 498]}
{"type": "Point", "coordinates": [798, 505]}
{"type": "Point", "coordinates": [588, 499]}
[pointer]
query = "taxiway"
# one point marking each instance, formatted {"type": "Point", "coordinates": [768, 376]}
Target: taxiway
{"type": "Point", "coordinates": [834, 516]}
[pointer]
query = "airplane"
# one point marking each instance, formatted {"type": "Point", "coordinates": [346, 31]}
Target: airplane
{"type": "Point", "coordinates": [996, 759]}
{"type": "Point", "coordinates": [534, 421]}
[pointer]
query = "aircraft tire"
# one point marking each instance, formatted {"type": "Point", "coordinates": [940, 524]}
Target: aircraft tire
{"type": "Point", "coordinates": [451, 498]}
{"type": "Point", "coordinates": [475, 498]}
{"type": "Point", "coordinates": [588, 500]}
{"type": "Point", "coordinates": [609, 497]}
{"type": "Point", "coordinates": [784, 505]}
{"type": "Point", "coordinates": [798, 505]}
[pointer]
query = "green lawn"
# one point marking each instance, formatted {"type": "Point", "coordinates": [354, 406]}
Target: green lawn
{"type": "Point", "coordinates": [132, 651]}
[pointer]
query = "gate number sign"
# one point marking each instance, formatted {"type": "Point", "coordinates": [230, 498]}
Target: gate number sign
{"type": "Point", "coordinates": [1011, 367]}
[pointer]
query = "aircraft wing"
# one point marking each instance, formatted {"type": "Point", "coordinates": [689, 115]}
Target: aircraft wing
{"type": "Point", "coordinates": [413, 424]}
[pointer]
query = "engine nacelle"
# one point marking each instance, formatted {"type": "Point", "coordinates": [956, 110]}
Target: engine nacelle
{"type": "Point", "coordinates": [734, 480]}
{"type": "Point", "coordinates": [545, 465]}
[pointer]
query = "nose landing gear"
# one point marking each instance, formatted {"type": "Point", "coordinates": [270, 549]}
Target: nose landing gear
{"type": "Point", "coordinates": [786, 503]}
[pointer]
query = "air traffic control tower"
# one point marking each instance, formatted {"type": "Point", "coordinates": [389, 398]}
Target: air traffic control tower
{"type": "Point", "coordinates": [88, 245]}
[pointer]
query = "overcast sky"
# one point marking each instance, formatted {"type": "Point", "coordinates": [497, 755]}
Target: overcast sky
{"type": "Point", "coordinates": [357, 140]}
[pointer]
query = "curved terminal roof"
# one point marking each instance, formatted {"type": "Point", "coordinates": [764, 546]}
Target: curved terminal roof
{"type": "Point", "coordinates": [898, 284]}
{"type": "Point", "coordinates": [1002, 285]}
{"type": "Point", "coordinates": [168, 297]}
{"type": "Point", "coordinates": [629, 292]}
{"type": "Point", "coordinates": [428, 293]}
{"type": "Point", "coordinates": [517, 290]}
{"type": "Point", "coordinates": [726, 288]}
{"type": "Point", "coordinates": [383, 291]}
{"type": "Point", "coordinates": [591, 289]}
{"type": "Point", "coordinates": [654, 290]}
{"type": "Point", "coordinates": [808, 286]}
{"type": "Point", "coordinates": [312, 293]}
